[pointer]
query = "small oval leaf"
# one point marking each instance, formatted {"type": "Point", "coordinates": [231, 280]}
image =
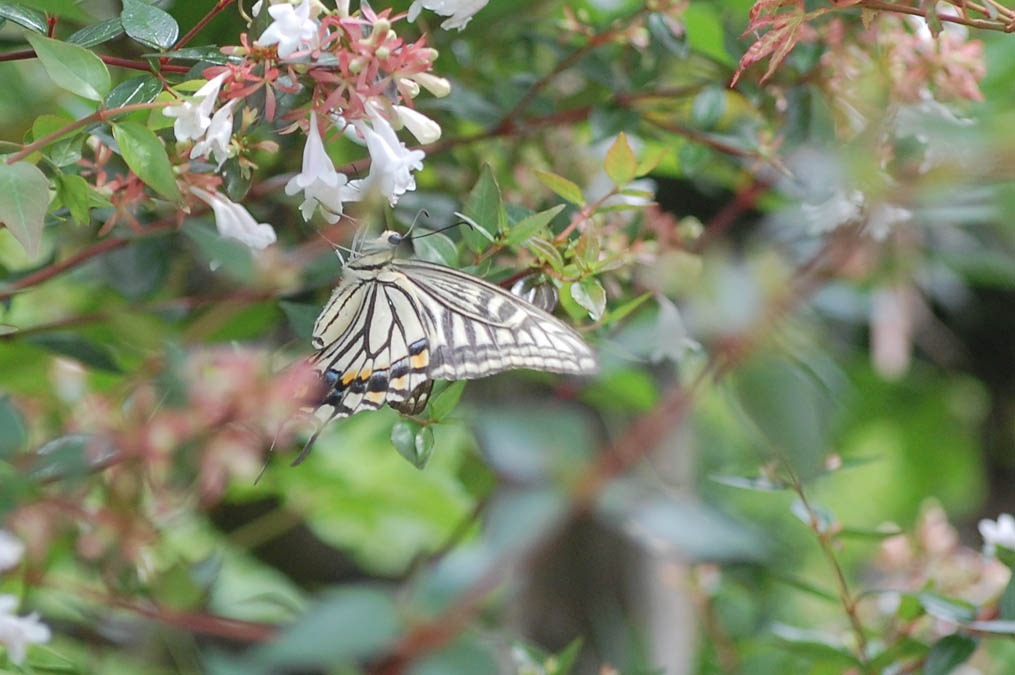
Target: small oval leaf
{"type": "Point", "coordinates": [146, 156]}
{"type": "Point", "coordinates": [149, 25]}
{"type": "Point", "coordinates": [72, 67]}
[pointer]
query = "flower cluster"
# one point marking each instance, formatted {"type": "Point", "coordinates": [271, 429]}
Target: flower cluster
{"type": "Point", "coordinates": [360, 78]}
{"type": "Point", "coordinates": [17, 632]}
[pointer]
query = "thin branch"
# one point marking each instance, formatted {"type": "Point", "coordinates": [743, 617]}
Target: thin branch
{"type": "Point", "coordinates": [985, 24]}
{"type": "Point", "coordinates": [849, 602]}
{"type": "Point", "coordinates": [189, 35]}
{"type": "Point", "coordinates": [98, 116]}
{"type": "Point", "coordinates": [111, 60]}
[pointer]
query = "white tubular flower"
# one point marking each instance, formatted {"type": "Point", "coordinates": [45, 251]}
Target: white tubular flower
{"type": "Point", "coordinates": [17, 632]}
{"type": "Point", "coordinates": [11, 550]}
{"type": "Point", "coordinates": [422, 127]}
{"type": "Point", "coordinates": [438, 86]}
{"type": "Point", "coordinates": [391, 163]}
{"type": "Point", "coordinates": [999, 533]}
{"type": "Point", "coordinates": [193, 117]}
{"type": "Point", "coordinates": [220, 132]}
{"type": "Point", "coordinates": [235, 222]}
{"type": "Point", "coordinates": [459, 12]}
{"type": "Point", "coordinates": [292, 29]}
{"type": "Point", "coordinates": [321, 184]}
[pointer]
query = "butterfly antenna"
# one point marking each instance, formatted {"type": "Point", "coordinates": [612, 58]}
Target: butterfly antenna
{"type": "Point", "coordinates": [444, 229]}
{"type": "Point", "coordinates": [271, 450]}
{"type": "Point", "coordinates": [421, 212]}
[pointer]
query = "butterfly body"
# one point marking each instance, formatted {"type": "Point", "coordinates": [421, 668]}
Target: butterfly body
{"type": "Point", "coordinates": [393, 326]}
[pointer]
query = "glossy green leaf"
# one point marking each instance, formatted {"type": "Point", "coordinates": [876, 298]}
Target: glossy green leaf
{"type": "Point", "coordinates": [210, 54]}
{"type": "Point", "coordinates": [621, 165]}
{"type": "Point", "coordinates": [444, 403]}
{"type": "Point", "coordinates": [948, 653]}
{"type": "Point", "coordinates": [589, 293]}
{"type": "Point", "coordinates": [98, 33]}
{"type": "Point", "coordinates": [24, 16]}
{"type": "Point", "coordinates": [532, 225]}
{"type": "Point", "coordinates": [72, 67]}
{"type": "Point", "coordinates": [486, 209]}
{"type": "Point", "coordinates": [148, 24]}
{"type": "Point", "coordinates": [562, 186]}
{"type": "Point", "coordinates": [146, 156]}
{"type": "Point", "coordinates": [24, 199]}
{"type": "Point", "coordinates": [142, 89]}
{"type": "Point", "coordinates": [413, 441]}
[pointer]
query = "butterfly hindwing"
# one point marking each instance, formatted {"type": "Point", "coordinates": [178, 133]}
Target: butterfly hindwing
{"type": "Point", "coordinates": [478, 329]}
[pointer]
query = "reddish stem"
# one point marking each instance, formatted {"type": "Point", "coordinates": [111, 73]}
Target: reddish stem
{"type": "Point", "coordinates": [111, 60]}
{"type": "Point", "coordinates": [222, 4]}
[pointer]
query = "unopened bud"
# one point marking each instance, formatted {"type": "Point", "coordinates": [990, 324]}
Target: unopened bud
{"type": "Point", "coordinates": [437, 86]}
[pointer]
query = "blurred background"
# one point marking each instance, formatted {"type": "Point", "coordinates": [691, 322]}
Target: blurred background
{"type": "Point", "coordinates": [806, 403]}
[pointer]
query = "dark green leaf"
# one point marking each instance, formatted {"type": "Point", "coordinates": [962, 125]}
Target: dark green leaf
{"type": "Point", "coordinates": [97, 33]}
{"type": "Point", "coordinates": [237, 180]}
{"type": "Point", "coordinates": [142, 89]}
{"type": "Point", "coordinates": [138, 269]}
{"type": "Point", "coordinates": [149, 25]}
{"type": "Point", "coordinates": [948, 653]}
{"type": "Point", "coordinates": [72, 67]}
{"type": "Point", "coordinates": [146, 156]}
{"type": "Point", "coordinates": [209, 54]}
{"type": "Point", "coordinates": [301, 317]}
{"type": "Point", "coordinates": [77, 348]}
{"type": "Point", "coordinates": [485, 208]}
{"type": "Point", "coordinates": [12, 429]}
{"type": "Point", "coordinates": [444, 403]}
{"type": "Point", "coordinates": [24, 16]}
{"type": "Point", "coordinates": [620, 313]}
{"type": "Point", "coordinates": [531, 225]}
{"type": "Point", "coordinates": [708, 107]}
{"type": "Point", "coordinates": [24, 199]}
{"type": "Point", "coordinates": [68, 457]}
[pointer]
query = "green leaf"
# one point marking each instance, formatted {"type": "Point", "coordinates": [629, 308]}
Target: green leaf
{"type": "Point", "coordinates": [64, 151]}
{"type": "Point", "coordinates": [562, 186]}
{"type": "Point", "coordinates": [705, 32]}
{"type": "Point", "coordinates": [790, 409]}
{"type": "Point", "coordinates": [816, 517]}
{"type": "Point", "coordinates": [708, 107]}
{"type": "Point", "coordinates": [941, 607]}
{"type": "Point", "coordinates": [138, 269]}
{"type": "Point", "coordinates": [301, 317]}
{"type": "Point", "coordinates": [413, 441]}
{"type": "Point", "coordinates": [142, 89]}
{"type": "Point", "coordinates": [345, 625]}
{"type": "Point", "coordinates": [234, 257]}
{"type": "Point", "coordinates": [97, 33]}
{"type": "Point", "coordinates": [1006, 605]}
{"type": "Point", "coordinates": [72, 67]}
{"type": "Point", "coordinates": [620, 313]}
{"type": "Point", "coordinates": [485, 208]}
{"type": "Point", "coordinates": [532, 225]}
{"type": "Point", "coordinates": [997, 627]}
{"type": "Point", "coordinates": [211, 54]}
{"type": "Point", "coordinates": [146, 156]}
{"type": "Point", "coordinates": [435, 247]}
{"type": "Point", "coordinates": [77, 348]}
{"type": "Point", "coordinates": [563, 662]}
{"type": "Point", "coordinates": [546, 252]}
{"type": "Point", "coordinates": [12, 429]}
{"type": "Point", "coordinates": [761, 483]}
{"type": "Point", "coordinates": [621, 165]}
{"type": "Point", "coordinates": [813, 644]}
{"type": "Point", "coordinates": [68, 457]}
{"type": "Point", "coordinates": [149, 25]}
{"type": "Point", "coordinates": [589, 293]}
{"type": "Point", "coordinates": [948, 653]}
{"type": "Point", "coordinates": [23, 16]}
{"type": "Point", "coordinates": [75, 193]}
{"type": "Point", "coordinates": [24, 199]}
{"type": "Point", "coordinates": [444, 403]}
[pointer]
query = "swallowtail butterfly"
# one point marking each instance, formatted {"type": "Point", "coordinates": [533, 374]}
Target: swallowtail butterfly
{"type": "Point", "coordinates": [394, 325]}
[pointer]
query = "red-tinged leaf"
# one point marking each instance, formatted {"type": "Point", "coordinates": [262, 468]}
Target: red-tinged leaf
{"type": "Point", "coordinates": [785, 30]}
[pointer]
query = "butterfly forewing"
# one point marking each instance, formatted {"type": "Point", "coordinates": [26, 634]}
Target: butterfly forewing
{"type": "Point", "coordinates": [477, 329]}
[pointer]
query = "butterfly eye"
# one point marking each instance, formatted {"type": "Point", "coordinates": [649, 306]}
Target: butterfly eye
{"type": "Point", "coordinates": [394, 239]}
{"type": "Point", "coordinates": [318, 343]}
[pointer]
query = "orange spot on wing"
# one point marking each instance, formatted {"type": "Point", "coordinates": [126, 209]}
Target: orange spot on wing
{"type": "Point", "coordinates": [399, 382]}
{"type": "Point", "coordinates": [365, 375]}
{"type": "Point", "coordinates": [348, 377]}
{"type": "Point", "coordinates": [375, 396]}
{"type": "Point", "coordinates": [420, 360]}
